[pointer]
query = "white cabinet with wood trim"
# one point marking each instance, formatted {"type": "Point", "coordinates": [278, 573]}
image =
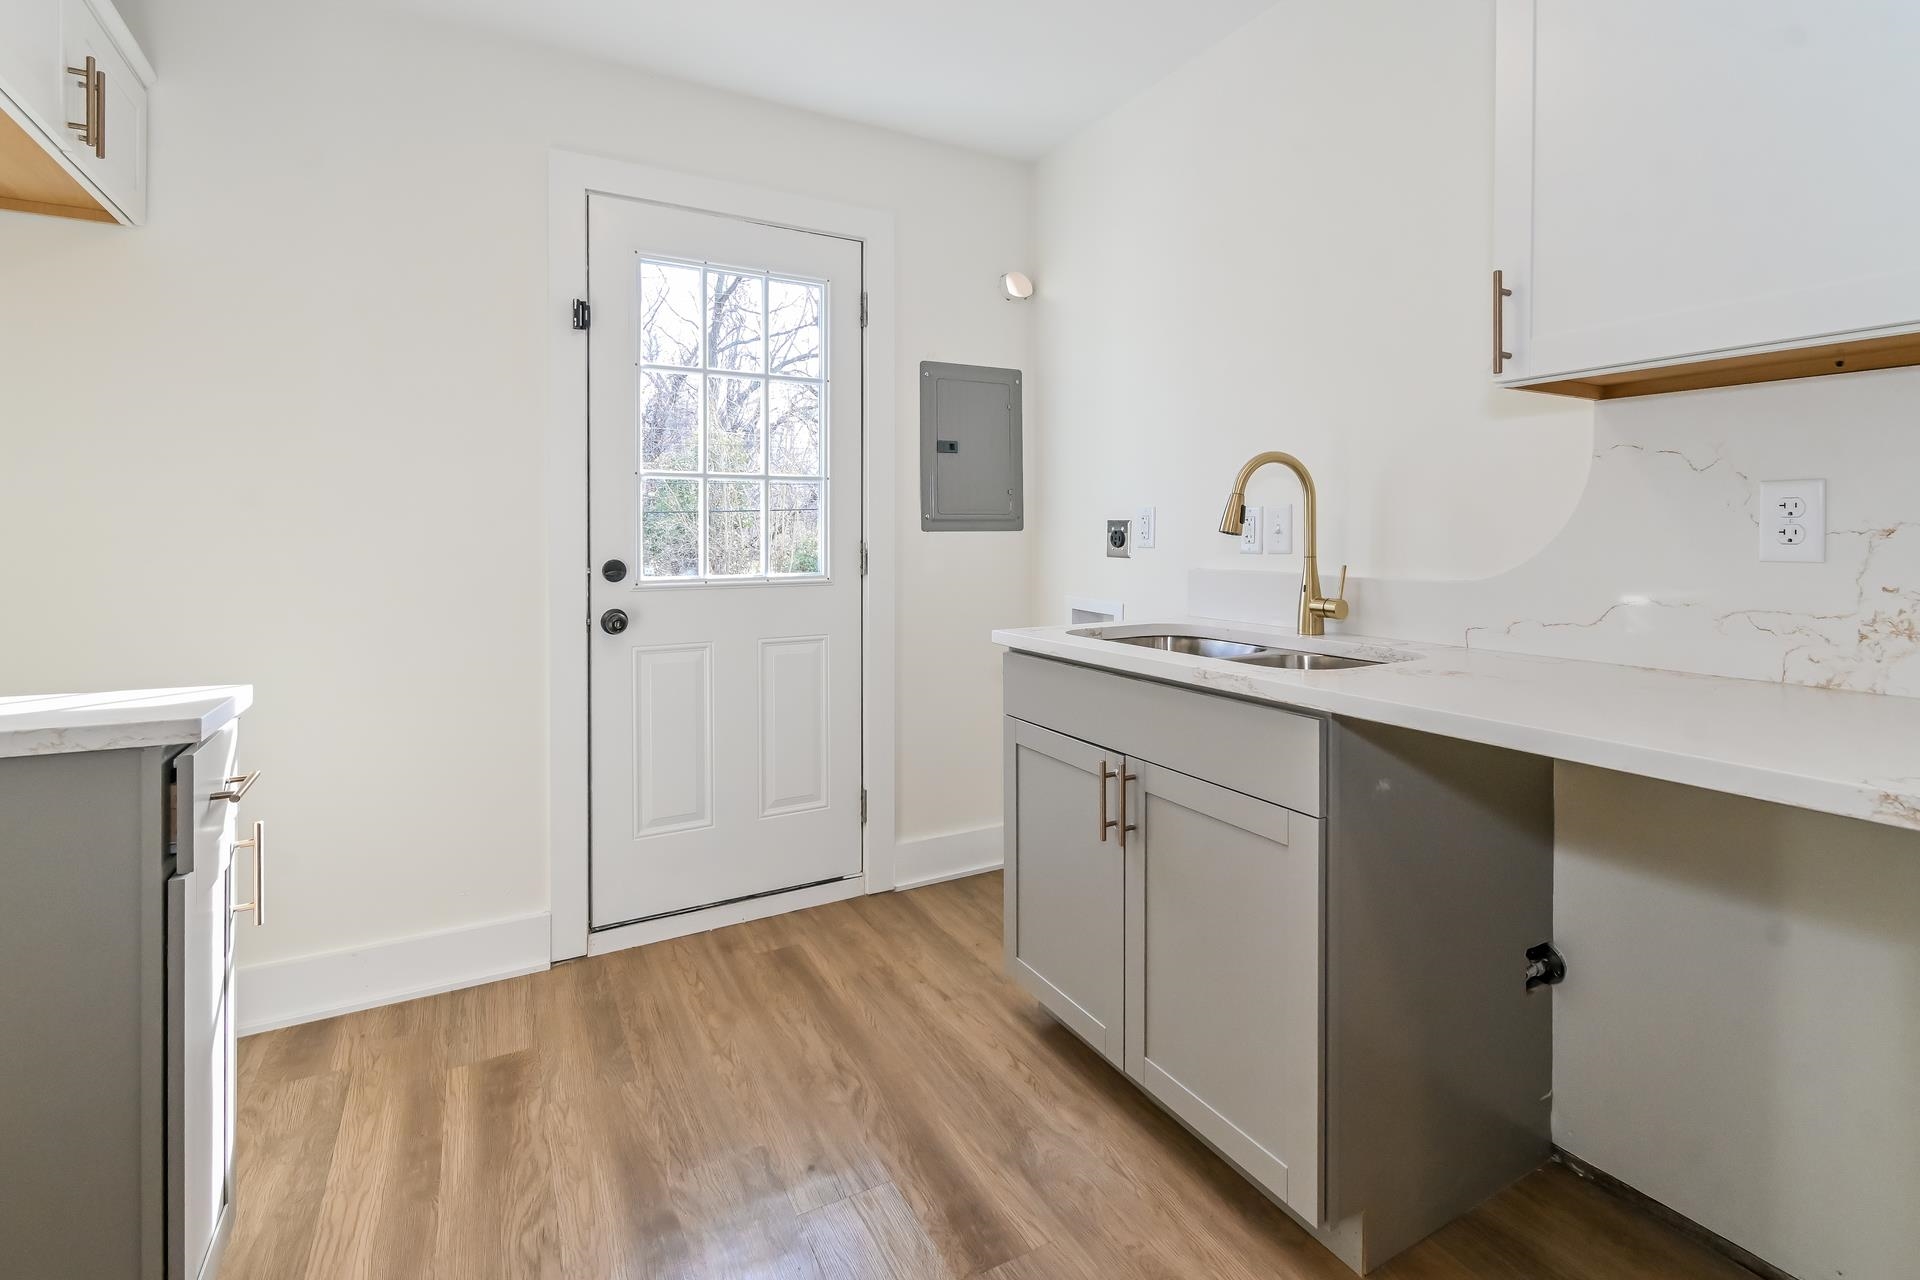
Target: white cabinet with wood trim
{"type": "Point", "coordinates": [1305, 939]}
{"type": "Point", "coordinates": [1703, 194]}
{"type": "Point", "coordinates": [73, 111]}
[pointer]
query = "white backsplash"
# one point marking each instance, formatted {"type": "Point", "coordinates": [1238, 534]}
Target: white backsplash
{"type": "Point", "coordinates": [1659, 565]}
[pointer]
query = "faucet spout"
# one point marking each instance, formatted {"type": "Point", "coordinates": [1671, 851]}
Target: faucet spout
{"type": "Point", "coordinates": [1315, 608]}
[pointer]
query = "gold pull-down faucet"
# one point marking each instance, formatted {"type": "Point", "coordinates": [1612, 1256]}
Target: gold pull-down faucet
{"type": "Point", "coordinates": [1315, 608]}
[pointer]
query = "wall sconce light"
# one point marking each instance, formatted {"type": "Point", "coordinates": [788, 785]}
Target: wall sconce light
{"type": "Point", "coordinates": [1019, 288]}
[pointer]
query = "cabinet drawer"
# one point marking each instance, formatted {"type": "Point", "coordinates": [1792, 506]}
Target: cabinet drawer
{"type": "Point", "coordinates": [1250, 747]}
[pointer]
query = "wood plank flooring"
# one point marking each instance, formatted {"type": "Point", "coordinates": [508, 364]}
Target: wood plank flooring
{"type": "Point", "coordinates": [849, 1092]}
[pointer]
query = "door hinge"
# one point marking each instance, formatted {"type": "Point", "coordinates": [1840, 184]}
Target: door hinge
{"type": "Point", "coordinates": [863, 806]}
{"type": "Point", "coordinates": [582, 314]}
{"type": "Point", "coordinates": [863, 557]}
{"type": "Point", "coordinates": [863, 308]}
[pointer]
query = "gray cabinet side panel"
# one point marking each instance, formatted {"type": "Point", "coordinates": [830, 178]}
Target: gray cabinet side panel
{"type": "Point", "coordinates": [81, 850]}
{"type": "Point", "coordinates": [1439, 877]}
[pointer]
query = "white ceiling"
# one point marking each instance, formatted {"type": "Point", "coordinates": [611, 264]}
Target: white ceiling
{"type": "Point", "coordinates": [1008, 76]}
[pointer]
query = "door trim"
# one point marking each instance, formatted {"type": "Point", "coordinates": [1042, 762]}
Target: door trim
{"type": "Point", "coordinates": [571, 178]}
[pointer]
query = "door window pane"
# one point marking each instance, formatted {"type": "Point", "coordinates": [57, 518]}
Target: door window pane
{"type": "Point", "coordinates": [793, 328]}
{"type": "Point", "coordinates": [670, 528]}
{"type": "Point", "coordinates": [732, 423]}
{"type": "Point", "coordinates": [793, 528]}
{"type": "Point", "coordinates": [733, 528]}
{"type": "Point", "coordinates": [734, 407]}
{"type": "Point", "coordinates": [669, 314]}
{"type": "Point", "coordinates": [669, 420]}
{"type": "Point", "coordinates": [793, 429]}
{"type": "Point", "coordinates": [735, 304]}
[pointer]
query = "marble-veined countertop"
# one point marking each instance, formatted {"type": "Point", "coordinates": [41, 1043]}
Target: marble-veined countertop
{"type": "Point", "coordinates": [48, 724]}
{"type": "Point", "coordinates": [1854, 754]}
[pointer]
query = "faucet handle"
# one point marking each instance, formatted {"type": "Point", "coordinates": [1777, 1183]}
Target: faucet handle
{"type": "Point", "coordinates": [1336, 608]}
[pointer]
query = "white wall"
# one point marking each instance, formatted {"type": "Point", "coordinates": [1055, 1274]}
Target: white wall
{"type": "Point", "coordinates": [290, 433]}
{"type": "Point", "coordinates": [1285, 245]}
{"type": "Point", "coordinates": [1740, 1027]}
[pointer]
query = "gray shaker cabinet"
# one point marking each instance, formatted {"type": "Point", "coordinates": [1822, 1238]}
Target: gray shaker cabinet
{"type": "Point", "coordinates": [1310, 949]}
{"type": "Point", "coordinates": [1190, 957]}
{"type": "Point", "coordinates": [1068, 948]}
{"type": "Point", "coordinates": [1223, 958]}
{"type": "Point", "coordinates": [117, 1055]}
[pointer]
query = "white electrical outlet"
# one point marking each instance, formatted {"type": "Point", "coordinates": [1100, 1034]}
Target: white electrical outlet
{"type": "Point", "coordinates": [1280, 530]}
{"type": "Point", "coordinates": [1250, 528]}
{"type": "Point", "coordinates": [1793, 520]}
{"type": "Point", "coordinates": [1143, 523]}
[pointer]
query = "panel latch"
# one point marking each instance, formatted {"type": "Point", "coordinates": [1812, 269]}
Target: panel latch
{"type": "Point", "coordinates": [1545, 966]}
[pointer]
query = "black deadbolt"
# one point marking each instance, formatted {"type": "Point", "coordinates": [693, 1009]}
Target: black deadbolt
{"type": "Point", "coordinates": [613, 621]}
{"type": "Point", "coordinates": [614, 571]}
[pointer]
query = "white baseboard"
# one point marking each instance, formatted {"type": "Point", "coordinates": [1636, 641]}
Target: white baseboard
{"type": "Point", "coordinates": [308, 988]}
{"type": "Point", "coordinates": [932, 859]}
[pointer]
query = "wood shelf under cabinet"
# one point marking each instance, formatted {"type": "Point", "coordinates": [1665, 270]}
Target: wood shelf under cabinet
{"type": "Point", "coordinates": [1893, 352]}
{"type": "Point", "coordinates": [32, 181]}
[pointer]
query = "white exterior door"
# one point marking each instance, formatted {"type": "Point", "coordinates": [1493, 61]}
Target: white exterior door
{"type": "Point", "coordinates": [724, 478]}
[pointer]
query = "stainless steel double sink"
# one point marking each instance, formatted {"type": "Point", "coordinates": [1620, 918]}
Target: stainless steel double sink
{"type": "Point", "coordinates": [1252, 655]}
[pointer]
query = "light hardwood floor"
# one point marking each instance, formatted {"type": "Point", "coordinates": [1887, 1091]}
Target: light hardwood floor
{"type": "Point", "coordinates": [852, 1091]}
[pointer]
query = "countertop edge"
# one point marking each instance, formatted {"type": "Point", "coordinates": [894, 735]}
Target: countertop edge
{"type": "Point", "coordinates": [127, 720]}
{"type": "Point", "coordinates": [1881, 801]}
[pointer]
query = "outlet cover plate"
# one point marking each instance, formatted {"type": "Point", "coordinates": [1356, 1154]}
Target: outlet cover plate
{"type": "Point", "coordinates": [1793, 521]}
{"type": "Point", "coordinates": [1250, 530]}
{"type": "Point", "coordinates": [1143, 523]}
{"type": "Point", "coordinates": [1119, 539]}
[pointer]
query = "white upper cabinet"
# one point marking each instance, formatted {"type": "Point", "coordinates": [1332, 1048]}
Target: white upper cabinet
{"type": "Point", "coordinates": [1726, 185]}
{"type": "Point", "coordinates": [73, 111]}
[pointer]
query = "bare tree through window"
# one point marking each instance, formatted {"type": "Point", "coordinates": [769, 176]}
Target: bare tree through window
{"type": "Point", "coordinates": [732, 422]}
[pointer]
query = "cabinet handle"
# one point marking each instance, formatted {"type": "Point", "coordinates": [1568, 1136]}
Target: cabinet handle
{"type": "Point", "coordinates": [259, 846]}
{"type": "Point", "coordinates": [1123, 824]}
{"type": "Point", "coordinates": [1500, 293]}
{"type": "Point", "coordinates": [236, 787]}
{"type": "Point", "coordinates": [1105, 775]}
{"type": "Point", "coordinates": [93, 129]}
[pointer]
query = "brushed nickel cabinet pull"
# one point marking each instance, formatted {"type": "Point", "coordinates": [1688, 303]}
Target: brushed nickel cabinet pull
{"type": "Point", "coordinates": [259, 846]}
{"type": "Point", "coordinates": [1106, 775]}
{"type": "Point", "coordinates": [99, 113]}
{"type": "Point", "coordinates": [236, 787]}
{"type": "Point", "coordinates": [1500, 294]}
{"type": "Point", "coordinates": [89, 135]}
{"type": "Point", "coordinates": [1123, 824]}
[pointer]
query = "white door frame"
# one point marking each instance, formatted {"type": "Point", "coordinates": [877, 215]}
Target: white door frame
{"type": "Point", "coordinates": [572, 177]}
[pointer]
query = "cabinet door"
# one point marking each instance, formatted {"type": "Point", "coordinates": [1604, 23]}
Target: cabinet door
{"type": "Point", "coordinates": [1676, 180]}
{"type": "Point", "coordinates": [199, 1011]}
{"type": "Point", "coordinates": [30, 59]}
{"type": "Point", "coordinates": [119, 112]}
{"type": "Point", "coordinates": [1223, 990]}
{"type": "Point", "coordinates": [1065, 881]}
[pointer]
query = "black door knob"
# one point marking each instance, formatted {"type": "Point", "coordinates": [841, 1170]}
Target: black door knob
{"type": "Point", "coordinates": [614, 571]}
{"type": "Point", "coordinates": [613, 621]}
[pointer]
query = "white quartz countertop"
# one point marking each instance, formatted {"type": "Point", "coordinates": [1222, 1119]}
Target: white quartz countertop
{"type": "Point", "coordinates": [1854, 754]}
{"type": "Point", "coordinates": [48, 724]}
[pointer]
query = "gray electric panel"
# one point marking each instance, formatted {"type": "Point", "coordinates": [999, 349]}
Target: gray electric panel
{"type": "Point", "coordinates": [969, 448]}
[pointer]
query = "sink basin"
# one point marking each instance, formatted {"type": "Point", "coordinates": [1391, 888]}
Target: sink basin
{"type": "Point", "coordinates": [1198, 646]}
{"type": "Point", "coordinates": [1295, 660]}
{"type": "Point", "coordinates": [1252, 655]}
